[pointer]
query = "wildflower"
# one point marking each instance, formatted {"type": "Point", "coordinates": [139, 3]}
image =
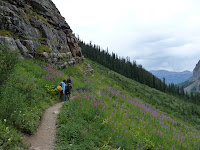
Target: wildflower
{"type": "Point", "coordinates": [105, 121]}
{"type": "Point", "coordinates": [4, 120]}
{"type": "Point", "coordinates": [182, 137]}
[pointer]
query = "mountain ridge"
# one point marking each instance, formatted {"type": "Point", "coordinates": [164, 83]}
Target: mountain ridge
{"type": "Point", "coordinates": [172, 76]}
{"type": "Point", "coordinates": [193, 84]}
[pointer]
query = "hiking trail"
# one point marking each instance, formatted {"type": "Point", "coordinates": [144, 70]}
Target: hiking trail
{"type": "Point", "coordinates": [44, 138]}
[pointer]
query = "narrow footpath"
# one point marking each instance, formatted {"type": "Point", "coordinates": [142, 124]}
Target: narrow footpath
{"type": "Point", "coordinates": [44, 138]}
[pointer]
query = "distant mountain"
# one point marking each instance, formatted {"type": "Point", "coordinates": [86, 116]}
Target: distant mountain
{"type": "Point", "coordinates": [193, 84]}
{"type": "Point", "coordinates": [172, 77]}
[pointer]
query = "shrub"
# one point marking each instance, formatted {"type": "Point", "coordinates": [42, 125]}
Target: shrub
{"type": "Point", "coordinates": [43, 48]}
{"type": "Point", "coordinates": [8, 59]}
{"type": "Point", "coordinates": [33, 15]}
{"type": "Point", "coordinates": [10, 138]}
{"type": "Point", "coordinates": [24, 96]}
{"type": "Point", "coordinates": [5, 33]}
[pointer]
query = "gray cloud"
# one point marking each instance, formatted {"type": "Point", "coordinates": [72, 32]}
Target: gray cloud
{"type": "Point", "coordinates": [157, 34]}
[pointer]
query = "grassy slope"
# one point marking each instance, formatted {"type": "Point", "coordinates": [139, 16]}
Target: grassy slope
{"type": "Point", "coordinates": [172, 105]}
{"type": "Point", "coordinates": [30, 90]}
{"type": "Point", "coordinates": [108, 119]}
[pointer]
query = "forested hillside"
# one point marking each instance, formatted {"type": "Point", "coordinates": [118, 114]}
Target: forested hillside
{"type": "Point", "coordinates": [134, 71]}
{"type": "Point", "coordinates": [85, 122]}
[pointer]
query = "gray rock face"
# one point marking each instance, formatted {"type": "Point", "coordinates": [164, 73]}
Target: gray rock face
{"type": "Point", "coordinates": [194, 80]}
{"type": "Point", "coordinates": [196, 76]}
{"type": "Point", "coordinates": [10, 42]}
{"type": "Point", "coordinates": [196, 71]}
{"type": "Point", "coordinates": [37, 23]}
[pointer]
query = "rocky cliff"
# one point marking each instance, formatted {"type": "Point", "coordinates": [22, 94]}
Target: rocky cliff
{"type": "Point", "coordinates": [196, 71]}
{"type": "Point", "coordinates": [194, 81]}
{"type": "Point", "coordinates": [36, 28]}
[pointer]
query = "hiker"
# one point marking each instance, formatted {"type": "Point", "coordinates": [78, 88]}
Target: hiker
{"type": "Point", "coordinates": [63, 85]}
{"type": "Point", "coordinates": [68, 91]}
{"type": "Point", "coordinates": [69, 81]}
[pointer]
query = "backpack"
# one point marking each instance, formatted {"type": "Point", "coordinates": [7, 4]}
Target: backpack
{"type": "Point", "coordinates": [59, 88]}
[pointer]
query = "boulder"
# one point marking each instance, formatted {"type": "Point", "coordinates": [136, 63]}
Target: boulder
{"type": "Point", "coordinates": [71, 62]}
{"type": "Point", "coordinates": [63, 66]}
{"type": "Point", "coordinates": [10, 42]}
{"type": "Point", "coordinates": [21, 47]}
{"type": "Point", "coordinates": [89, 68]}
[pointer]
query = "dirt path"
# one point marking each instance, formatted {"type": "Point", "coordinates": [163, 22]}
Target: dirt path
{"type": "Point", "coordinates": [44, 138]}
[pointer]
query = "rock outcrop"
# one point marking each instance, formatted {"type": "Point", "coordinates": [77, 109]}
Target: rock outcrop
{"type": "Point", "coordinates": [87, 69]}
{"type": "Point", "coordinates": [194, 80]}
{"type": "Point", "coordinates": [36, 27]}
{"type": "Point", "coordinates": [196, 71]}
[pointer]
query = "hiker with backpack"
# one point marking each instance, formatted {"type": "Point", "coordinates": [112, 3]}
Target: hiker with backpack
{"type": "Point", "coordinates": [69, 81]}
{"type": "Point", "coordinates": [65, 89]}
{"type": "Point", "coordinates": [62, 91]}
{"type": "Point", "coordinates": [68, 88]}
{"type": "Point", "coordinates": [68, 91]}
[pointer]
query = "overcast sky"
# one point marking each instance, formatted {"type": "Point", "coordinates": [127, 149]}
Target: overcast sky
{"type": "Point", "coordinates": [158, 34]}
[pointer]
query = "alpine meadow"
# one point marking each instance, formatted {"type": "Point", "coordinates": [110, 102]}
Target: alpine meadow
{"type": "Point", "coordinates": [115, 103]}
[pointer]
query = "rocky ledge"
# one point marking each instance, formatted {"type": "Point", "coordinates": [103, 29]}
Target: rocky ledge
{"type": "Point", "coordinates": [36, 28]}
{"type": "Point", "coordinates": [196, 71]}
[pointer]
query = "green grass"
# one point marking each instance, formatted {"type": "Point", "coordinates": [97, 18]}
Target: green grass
{"type": "Point", "coordinates": [8, 60]}
{"type": "Point", "coordinates": [42, 39]}
{"type": "Point", "coordinates": [10, 138]}
{"type": "Point", "coordinates": [6, 33]}
{"type": "Point", "coordinates": [83, 126]}
{"type": "Point", "coordinates": [33, 15]}
{"type": "Point", "coordinates": [43, 48]}
{"type": "Point", "coordinates": [6, 1]}
{"type": "Point", "coordinates": [183, 110]}
{"type": "Point", "coordinates": [30, 97]}
{"type": "Point", "coordinates": [108, 120]}
{"type": "Point", "coordinates": [27, 92]}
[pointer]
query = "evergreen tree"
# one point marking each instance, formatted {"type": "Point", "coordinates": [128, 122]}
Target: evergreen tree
{"type": "Point", "coordinates": [133, 71]}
